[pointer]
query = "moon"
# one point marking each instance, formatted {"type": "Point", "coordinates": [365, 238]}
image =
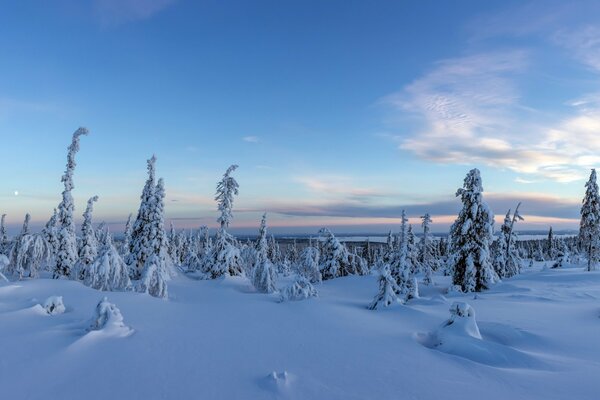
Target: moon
{"type": "Point", "coordinates": [16, 192]}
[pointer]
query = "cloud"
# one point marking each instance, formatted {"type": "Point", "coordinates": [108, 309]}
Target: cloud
{"type": "Point", "coordinates": [116, 12]}
{"type": "Point", "coordinates": [533, 204]}
{"type": "Point", "coordinates": [470, 110]}
{"type": "Point", "coordinates": [251, 139]}
{"type": "Point", "coordinates": [340, 187]}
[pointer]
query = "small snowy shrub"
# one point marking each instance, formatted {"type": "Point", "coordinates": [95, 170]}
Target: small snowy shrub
{"type": "Point", "coordinates": [264, 276]}
{"type": "Point", "coordinates": [454, 289]}
{"type": "Point", "coordinates": [388, 290]}
{"type": "Point", "coordinates": [54, 305]}
{"type": "Point", "coordinates": [301, 289]}
{"type": "Point", "coordinates": [107, 316]}
{"type": "Point", "coordinates": [461, 322]}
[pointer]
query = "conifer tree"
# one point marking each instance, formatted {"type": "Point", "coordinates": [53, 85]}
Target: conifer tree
{"type": "Point", "coordinates": [3, 236]}
{"type": "Point", "coordinates": [225, 256]}
{"type": "Point", "coordinates": [427, 262]}
{"type": "Point", "coordinates": [88, 250]}
{"type": "Point", "coordinates": [589, 226]}
{"type": "Point", "coordinates": [108, 271]}
{"type": "Point", "coordinates": [471, 236]}
{"type": "Point", "coordinates": [126, 246]}
{"type": "Point", "coordinates": [335, 259]}
{"type": "Point", "coordinates": [401, 267]}
{"type": "Point", "coordinates": [507, 262]}
{"type": "Point", "coordinates": [66, 254]}
{"type": "Point", "coordinates": [388, 290]}
{"type": "Point", "coordinates": [140, 246]}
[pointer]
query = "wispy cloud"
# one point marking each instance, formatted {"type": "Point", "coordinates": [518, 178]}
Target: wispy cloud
{"type": "Point", "coordinates": [533, 204]}
{"type": "Point", "coordinates": [470, 109]}
{"type": "Point", "coordinates": [339, 186]}
{"type": "Point", "coordinates": [251, 139]}
{"type": "Point", "coordinates": [116, 12]}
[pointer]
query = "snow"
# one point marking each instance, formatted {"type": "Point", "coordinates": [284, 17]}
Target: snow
{"type": "Point", "coordinates": [217, 339]}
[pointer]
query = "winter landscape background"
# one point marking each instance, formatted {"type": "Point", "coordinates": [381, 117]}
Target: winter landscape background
{"type": "Point", "coordinates": [299, 200]}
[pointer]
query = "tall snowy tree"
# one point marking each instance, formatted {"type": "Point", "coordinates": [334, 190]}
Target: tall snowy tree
{"type": "Point", "coordinates": [140, 246]}
{"type": "Point", "coordinates": [225, 257]}
{"type": "Point", "coordinates": [401, 267]}
{"type": "Point", "coordinates": [262, 246]}
{"type": "Point", "coordinates": [589, 226]}
{"type": "Point", "coordinates": [50, 233]}
{"type": "Point", "coordinates": [88, 250]}
{"type": "Point", "coordinates": [427, 260]}
{"type": "Point", "coordinates": [550, 245]}
{"type": "Point", "coordinates": [126, 245]}
{"type": "Point", "coordinates": [3, 236]}
{"type": "Point", "coordinates": [308, 264]}
{"type": "Point", "coordinates": [29, 253]}
{"type": "Point", "coordinates": [156, 270]}
{"type": "Point", "coordinates": [66, 255]}
{"type": "Point", "coordinates": [471, 236]}
{"type": "Point", "coordinates": [507, 262]}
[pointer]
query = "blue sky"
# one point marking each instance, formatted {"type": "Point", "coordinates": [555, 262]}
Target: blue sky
{"type": "Point", "coordinates": [339, 113]}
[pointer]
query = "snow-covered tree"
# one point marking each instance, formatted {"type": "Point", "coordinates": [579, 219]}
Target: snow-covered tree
{"type": "Point", "coordinates": [3, 236]}
{"type": "Point", "coordinates": [30, 252]}
{"type": "Point", "coordinates": [50, 233]}
{"type": "Point", "coordinates": [471, 236]}
{"type": "Point", "coordinates": [155, 276]}
{"type": "Point", "coordinates": [66, 255]}
{"type": "Point", "coordinates": [126, 245]}
{"type": "Point", "coordinates": [507, 262]}
{"type": "Point", "coordinates": [227, 189]}
{"type": "Point", "coordinates": [273, 251]}
{"type": "Point", "coordinates": [308, 264]}
{"type": "Point", "coordinates": [88, 250]}
{"type": "Point", "coordinates": [262, 245]}
{"type": "Point", "coordinates": [108, 271]}
{"type": "Point", "coordinates": [335, 259]}
{"type": "Point", "coordinates": [589, 226]}
{"type": "Point", "coordinates": [225, 258]}
{"type": "Point", "coordinates": [141, 235]}
{"type": "Point", "coordinates": [299, 290]}
{"type": "Point", "coordinates": [264, 276]}
{"type": "Point", "coordinates": [388, 289]}
{"type": "Point", "coordinates": [562, 254]}
{"type": "Point", "coordinates": [401, 267]}
{"type": "Point", "coordinates": [427, 260]}
{"type": "Point", "coordinates": [550, 245]}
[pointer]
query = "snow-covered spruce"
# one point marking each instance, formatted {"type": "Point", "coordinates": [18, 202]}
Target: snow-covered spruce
{"type": "Point", "coordinates": [507, 261]}
{"type": "Point", "coordinates": [107, 317]}
{"type": "Point", "coordinates": [126, 245]}
{"type": "Point", "coordinates": [225, 258]}
{"type": "Point", "coordinates": [154, 276]}
{"type": "Point", "coordinates": [140, 247]}
{"type": "Point", "coordinates": [335, 259]}
{"type": "Point", "coordinates": [401, 267]}
{"type": "Point", "coordinates": [227, 189]}
{"type": "Point", "coordinates": [301, 289]}
{"type": "Point", "coordinates": [54, 305]}
{"type": "Point", "coordinates": [589, 226]}
{"type": "Point", "coordinates": [427, 259]}
{"type": "Point", "coordinates": [3, 236]}
{"type": "Point", "coordinates": [88, 249]}
{"type": "Point", "coordinates": [50, 233]}
{"type": "Point", "coordinates": [562, 255]}
{"type": "Point", "coordinates": [265, 276]}
{"type": "Point", "coordinates": [29, 253]}
{"type": "Point", "coordinates": [66, 253]}
{"type": "Point", "coordinates": [461, 323]}
{"type": "Point", "coordinates": [308, 264]}
{"type": "Point", "coordinates": [471, 236]}
{"type": "Point", "coordinates": [388, 289]}
{"type": "Point", "coordinates": [108, 271]}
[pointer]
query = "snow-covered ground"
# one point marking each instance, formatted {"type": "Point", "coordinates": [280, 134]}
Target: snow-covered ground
{"type": "Point", "coordinates": [540, 339]}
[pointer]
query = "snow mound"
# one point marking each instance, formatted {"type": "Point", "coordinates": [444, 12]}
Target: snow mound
{"type": "Point", "coordinates": [301, 289]}
{"type": "Point", "coordinates": [109, 320]}
{"type": "Point", "coordinates": [54, 305]}
{"type": "Point", "coordinates": [460, 336]}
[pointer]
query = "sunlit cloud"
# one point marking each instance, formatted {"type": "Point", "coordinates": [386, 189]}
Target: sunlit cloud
{"type": "Point", "coordinates": [116, 12]}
